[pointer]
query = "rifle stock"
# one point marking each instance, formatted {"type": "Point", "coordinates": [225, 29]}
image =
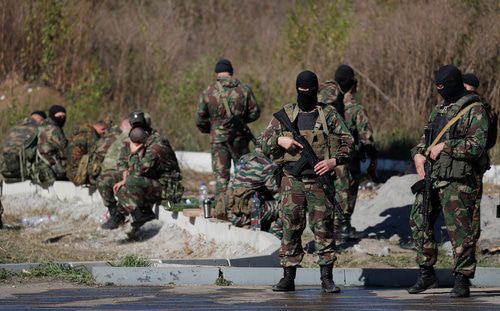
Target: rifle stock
{"type": "Point", "coordinates": [307, 155]}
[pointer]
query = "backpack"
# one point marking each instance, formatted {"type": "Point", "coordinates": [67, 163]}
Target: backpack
{"type": "Point", "coordinates": [19, 152]}
{"type": "Point", "coordinates": [492, 126]}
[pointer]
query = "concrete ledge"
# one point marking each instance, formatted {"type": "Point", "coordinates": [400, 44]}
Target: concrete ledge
{"type": "Point", "coordinates": [18, 267]}
{"type": "Point", "coordinates": [265, 244]}
{"type": "Point", "coordinates": [485, 277]}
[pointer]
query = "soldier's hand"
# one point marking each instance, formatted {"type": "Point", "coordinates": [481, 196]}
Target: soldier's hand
{"type": "Point", "coordinates": [419, 164]}
{"type": "Point", "coordinates": [289, 143]}
{"type": "Point", "coordinates": [135, 147]}
{"type": "Point", "coordinates": [118, 185]}
{"type": "Point", "coordinates": [436, 150]}
{"type": "Point", "coordinates": [325, 166]}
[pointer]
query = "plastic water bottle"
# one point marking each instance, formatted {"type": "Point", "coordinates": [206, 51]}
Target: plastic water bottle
{"type": "Point", "coordinates": [203, 194]}
{"type": "Point", "coordinates": [255, 215]}
{"type": "Point", "coordinates": [38, 220]}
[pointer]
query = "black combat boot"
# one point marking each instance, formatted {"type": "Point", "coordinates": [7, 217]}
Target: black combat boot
{"type": "Point", "coordinates": [287, 283]}
{"type": "Point", "coordinates": [347, 231]}
{"type": "Point", "coordinates": [461, 288]}
{"type": "Point", "coordinates": [427, 279]}
{"type": "Point", "coordinates": [327, 284]}
{"type": "Point", "coordinates": [115, 220]}
{"type": "Point", "coordinates": [1, 222]}
{"type": "Point", "coordinates": [141, 217]}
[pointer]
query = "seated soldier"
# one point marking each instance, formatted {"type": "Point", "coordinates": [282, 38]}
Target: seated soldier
{"type": "Point", "coordinates": [13, 166]}
{"type": "Point", "coordinates": [50, 164]}
{"type": "Point", "coordinates": [81, 143]}
{"type": "Point", "coordinates": [254, 173]}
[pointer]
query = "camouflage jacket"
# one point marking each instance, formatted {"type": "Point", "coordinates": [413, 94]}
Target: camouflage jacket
{"type": "Point", "coordinates": [103, 144]}
{"type": "Point", "coordinates": [114, 153]}
{"type": "Point", "coordinates": [52, 143]}
{"type": "Point", "coordinates": [464, 153]}
{"type": "Point", "coordinates": [338, 135]}
{"type": "Point", "coordinates": [81, 142]}
{"type": "Point", "coordinates": [255, 170]}
{"type": "Point", "coordinates": [18, 135]}
{"type": "Point", "coordinates": [355, 118]}
{"type": "Point", "coordinates": [212, 115]}
{"type": "Point", "coordinates": [156, 160]}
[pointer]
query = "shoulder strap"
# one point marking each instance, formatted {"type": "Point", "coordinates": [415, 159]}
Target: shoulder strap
{"type": "Point", "coordinates": [449, 124]}
{"type": "Point", "coordinates": [223, 94]}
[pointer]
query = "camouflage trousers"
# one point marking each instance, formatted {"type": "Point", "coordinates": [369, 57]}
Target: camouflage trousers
{"type": "Point", "coordinates": [222, 155]}
{"type": "Point", "coordinates": [138, 192]}
{"type": "Point", "coordinates": [458, 202]}
{"type": "Point", "coordinates": [297, 199]}
{"type": "Point", "coordinates": [105, 183]}
{"type": "Point", "coordinates": [346, 187]}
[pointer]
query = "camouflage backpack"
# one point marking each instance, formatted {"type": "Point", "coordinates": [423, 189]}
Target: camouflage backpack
{"type": "Point", "coordinates": [19, 151]}
{"type": "Point", "coordinates": [77, 153]}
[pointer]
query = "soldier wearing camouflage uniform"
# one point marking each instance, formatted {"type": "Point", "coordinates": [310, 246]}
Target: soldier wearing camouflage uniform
{"type": "Point", "coordinates": [51, 149]}
{"type": "Point", "coordinates": [12, 167]}
{"type": "Point", "coordinates": [332, 142]}
{"type": "Point", "coordinates": [255, 173]}
{"type": "Point", "coordinates": [340, 94]}
{"type": "Point", "coordinates": [81, 143]}
{"type": "Point", "coordinates": [224, 108]}
{"type": "Point", "coordinates": [456, 160]}
{"type": "Point", "coordinates": [148, 175]}
{"type": "Point", "coordinates": [115, 168]}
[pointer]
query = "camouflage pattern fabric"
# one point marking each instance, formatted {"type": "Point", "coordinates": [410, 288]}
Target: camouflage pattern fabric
{"type": "Point", "coordinates": [10, 161]}
{"type": "Point", "coordinates": [228, 141]}
{"type": "Point", "coordinates": [299, 197]}
{"type": "Point", "coordinates": [150, 172]}
{"type": "Point", "coordinates": [256, 172]}
{"type": "Point", "coordinates": [456, 176]}
{"type": "Point", "coordinates": [114, 153]}
{"type": "Point", "coordinates": [462, 217]}
{"type": "Point", "coordinates": [105, 183]}
{"type": "Point", "coordinates": [99, 151]}
{"type": "Point", "coordinates": [81, 142]}
{"type": "Point", "coordinates": [51, 160]}
{"type": "Point", "coordinates": [356, 119]}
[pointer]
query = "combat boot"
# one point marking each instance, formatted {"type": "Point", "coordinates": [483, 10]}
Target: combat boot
{"type": "Point", "coordinates": [141, 217]}
{"type": "Point", "coordinates": [115, 220]}
{"type": "Point", "coordinates": [287, 283]}
{"type": "Point", "coordinates": [427, 279]}
{"type": "Point", "coordinates": [1, 222]}
{"type": "Point", "coordinates": [327, 284]}
{"type": "Point", "coordinates": [461, 288]}
{"type": "Point", "coordinates": [347, 231]}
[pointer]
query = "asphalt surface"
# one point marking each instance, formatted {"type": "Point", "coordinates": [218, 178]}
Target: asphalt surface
{"type": "Point", "coordinates": [71, 297]}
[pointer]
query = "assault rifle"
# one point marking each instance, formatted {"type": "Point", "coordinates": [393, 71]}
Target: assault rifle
{"type": "Point", "coordinates": [424, 186]}
{"type": "Point", "coordinates": [236, 123]}
{"type": "Point", "coordinates": [308, 156]}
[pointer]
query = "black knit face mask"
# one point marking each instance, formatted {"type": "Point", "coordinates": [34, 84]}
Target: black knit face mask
{"type": "Point", "coordinates": [449, 83]}
{"type": "Point", "coordinates": [307, 90]}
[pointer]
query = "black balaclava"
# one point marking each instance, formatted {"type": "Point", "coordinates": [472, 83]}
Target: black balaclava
{"type": "Point", "coordinates": [307, 90]}
{"type": "Point", "coordinates": [224, 65]}
{"type": "Point", "coordinates": [41, 113]}
{"type": "Point", "coordinates": [451, 79]}
{"type": "Point", "coordinates": [470, 79]}
{"type": "Point", "coordinates": [52, 115]}
{"type": "Point", "coordinates": [344, 76]}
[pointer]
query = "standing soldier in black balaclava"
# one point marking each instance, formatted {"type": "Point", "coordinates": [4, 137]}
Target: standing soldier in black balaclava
{"type": "Point", "coordinates": [457, 154]}
{"type": "Point", "coordinates": [332, 142]}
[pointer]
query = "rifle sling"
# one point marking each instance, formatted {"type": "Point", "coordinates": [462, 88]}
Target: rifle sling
{"type": "Point", "coordinates": [450, 124]}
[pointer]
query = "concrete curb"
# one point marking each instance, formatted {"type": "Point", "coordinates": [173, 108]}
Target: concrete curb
{"type": "Point", "coordinates": [266, 245]}
{"type": "Point", "coordinates": [485, 277]}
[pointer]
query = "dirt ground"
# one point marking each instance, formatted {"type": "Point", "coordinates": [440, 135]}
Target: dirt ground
{"type": "Point", "coordinates": [75, 233]}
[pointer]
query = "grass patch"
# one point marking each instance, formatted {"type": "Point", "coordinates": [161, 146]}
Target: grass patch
{"type": "Point", "coordinates": [53, 271]}
{"type": "Point", "coordinates": [131, 261]}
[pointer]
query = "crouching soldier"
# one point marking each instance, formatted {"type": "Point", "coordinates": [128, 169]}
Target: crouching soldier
{"type": "Point", "coordinates": [144, 180]}
{"type": "Point", "coordinates": [254, 173]}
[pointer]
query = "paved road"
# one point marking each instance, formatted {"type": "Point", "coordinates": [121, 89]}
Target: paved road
{"type": "Point", "coordinates": [60, 296]}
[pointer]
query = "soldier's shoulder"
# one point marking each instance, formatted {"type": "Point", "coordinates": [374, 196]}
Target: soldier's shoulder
{"type": "Point", "coordinates": [328, 85]}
